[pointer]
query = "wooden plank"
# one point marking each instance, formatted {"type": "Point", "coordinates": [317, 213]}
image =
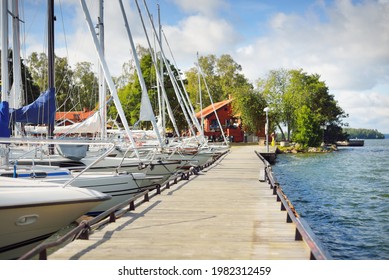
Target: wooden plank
{"type": "Point", "coordinates": [225, 212]}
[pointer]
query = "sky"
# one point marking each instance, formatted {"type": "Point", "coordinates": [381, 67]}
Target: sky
{"type": "Point", "coordinates": [346, 42]}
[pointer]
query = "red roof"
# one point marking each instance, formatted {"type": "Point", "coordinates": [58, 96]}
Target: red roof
{"type": "Point", "coordinates": [74, 116]}
{"type": "Point", "coordinates": [209, 110]}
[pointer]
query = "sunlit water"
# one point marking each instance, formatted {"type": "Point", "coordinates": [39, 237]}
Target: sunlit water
{"type": "Point", "coordinates": [344, 196]}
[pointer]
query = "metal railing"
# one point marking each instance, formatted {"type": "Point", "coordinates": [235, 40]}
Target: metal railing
{"type": "Point", "coordinates": [303, 230]}
{"type": "Point", "coordinates": [85, 227]}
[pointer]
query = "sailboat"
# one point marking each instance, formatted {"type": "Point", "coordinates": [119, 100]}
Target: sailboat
{"type": "Point", "coordinates": [31, 212]}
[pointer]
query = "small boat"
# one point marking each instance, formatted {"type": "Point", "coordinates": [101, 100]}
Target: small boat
{"type": "Point", "coordinates": [351, 143]}
{"type": "Point", "coordinates": [31, 211]}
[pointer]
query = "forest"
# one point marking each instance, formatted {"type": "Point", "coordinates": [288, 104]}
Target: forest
{"type": "Point", "coordinates": [363, 133]}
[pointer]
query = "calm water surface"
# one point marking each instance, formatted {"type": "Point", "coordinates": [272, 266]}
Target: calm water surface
{"type": "Point", "coordinates": [344, 196]}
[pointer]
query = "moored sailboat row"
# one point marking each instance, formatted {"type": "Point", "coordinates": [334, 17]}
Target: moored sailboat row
{"type": "Point", "coordinates": [43, 190]}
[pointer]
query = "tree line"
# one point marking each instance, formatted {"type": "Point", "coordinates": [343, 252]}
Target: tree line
{"type": "Point", "coordinates": [301, 107]}
{"type": "Point", "coordinates": [363, 133]}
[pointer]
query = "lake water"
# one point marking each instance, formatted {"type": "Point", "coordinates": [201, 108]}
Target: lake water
{"type": "Point", "coordinates": [344, 196]}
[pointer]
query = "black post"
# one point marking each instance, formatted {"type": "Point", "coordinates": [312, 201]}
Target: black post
{"type": "Point", "coordinates": [50, 58]}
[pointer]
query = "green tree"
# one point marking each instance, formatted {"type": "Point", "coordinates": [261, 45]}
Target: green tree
{"type": "Point", "coordinates": [85, 87]}
{"type": "Point", "coordinates": [75, 90]}
{"type": "Point", "coordinates": [307, 128]}
{"type": "Point", "coordinates": [287, 91]}
{"type": "Point", "coordinates": [249, 104]}
{"type": "Point", "coordinates": [130, 94]}
{"type": "Point", "coordinates": [37, 64]}
{"type": "Point", "coordinates": [63, 83]}
{"type": "Point", "coordinates": [274, 91]}
{"type": "Point", "coordinates": [224, 79]}
{"type": "Point", "coordinates": [30, 89]}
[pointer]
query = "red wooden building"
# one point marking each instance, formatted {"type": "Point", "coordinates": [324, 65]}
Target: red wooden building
{"type": "Point", "coordinates": [68, 118]}
{"type": "Point", "coordinates": [231, 124]}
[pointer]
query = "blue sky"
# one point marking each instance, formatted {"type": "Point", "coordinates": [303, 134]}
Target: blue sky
{"type": "Point", "coordinates": [344, 41]}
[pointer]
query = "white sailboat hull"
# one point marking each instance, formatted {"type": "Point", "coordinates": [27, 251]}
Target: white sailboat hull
{"type": "Point", "coordinates": [31, 211]}
{"type": "Point", "coordinates": [120, 187]}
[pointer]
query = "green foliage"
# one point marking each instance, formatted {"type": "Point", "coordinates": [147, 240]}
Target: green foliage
{"type": "Point", "coordinates": [224, 79]}
{"type": "Point", "coordinates": [30, 89]}
{"type": "Point", "coordinates": [75, 89]}
{"type": "Point", "coordinates": [288, 91]}
{"type": "Point", "coordinates": [363, 133]}
{"type": "Point", "coordinates": [130, 95]}
{"type": "Point", "coordinates": [85, 86]}
{"type": "Point", "coordinates": [249, 104]}
{"type": "Point", "coordinates": [307, 128]}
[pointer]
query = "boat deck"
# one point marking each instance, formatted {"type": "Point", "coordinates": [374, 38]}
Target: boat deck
{"type": "Point", "coordinates": [225, 212]}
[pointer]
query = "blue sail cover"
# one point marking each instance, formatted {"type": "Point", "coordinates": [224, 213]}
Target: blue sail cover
{"type": "Point", "coordinates": [41, 111]}
{"type": "Point", "coordinates": [4, 119]}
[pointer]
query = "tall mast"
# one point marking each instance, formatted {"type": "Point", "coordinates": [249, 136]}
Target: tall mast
{"type": "Point", "coordinates": [4, 51]}
{"type": "Point", "coordinates": [50, 61]}
{"type": "Point", "coordinates": [200, 96]}
{"type": "Point", "coordinates": [16, 100]}
{"type": "Point", "coordinates": [4, 66]}
{"type": "Point", "coordinates": [102, 84]}
{"type": "Point", "coordinates": [17, 74]}
{"type": "Point", "coordinates": [162, 108]}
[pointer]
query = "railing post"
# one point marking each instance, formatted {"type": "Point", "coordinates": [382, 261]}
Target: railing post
{"type": "Point", "coordinates": [298, 235]}
{"type": "Point", "coordinates": [43, 254]}
{"type": "Point", "coordinates": [112, 217]}
{"type": "Point", "coordinates": [288, 218]}
{"type": "Point", "coordinates": [147, 197]}
{"type": "Point", "coordinates": [84, 234]}
{"type": "Point", "coordinates": [132, 206]}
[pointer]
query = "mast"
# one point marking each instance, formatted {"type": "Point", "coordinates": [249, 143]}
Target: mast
{"type": "Point", "coordinates": [4, 69]}
{"type": "Point", "coordinates": [16, 100]}
{"type": "Point", "coordinates": [4, 51]}
{"type": "Point", "coordinates": [200, 96]}
{"type": "Point", "coordinates": [102, 84]}
{"type": "Point", "coordinates": [50, 62]}
{"type": "Point", "coordinates": [17, 74]}
{"type": "Point", "coordinates": [162, 108]}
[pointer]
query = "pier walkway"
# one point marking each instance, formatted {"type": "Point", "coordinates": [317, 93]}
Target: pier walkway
{"type": "Point", "coordinates": [223, 213]}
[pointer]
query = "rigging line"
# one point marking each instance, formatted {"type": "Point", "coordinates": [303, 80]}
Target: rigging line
{"type": "Point", "coordinates": [63, 28]}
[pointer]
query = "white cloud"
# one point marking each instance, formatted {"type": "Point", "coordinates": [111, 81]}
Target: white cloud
{"type": "Point", "coordinates": [367, 109]}
{"type": "Point", "coordinates": [199, 34]}
{"type": "Point", "coordinates": [350, 50]}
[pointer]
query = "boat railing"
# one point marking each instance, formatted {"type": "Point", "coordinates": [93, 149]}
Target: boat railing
{"type": "Point", "coordinates": [86, 226]}
{"type": "Point", "coordinates": [303, 230]}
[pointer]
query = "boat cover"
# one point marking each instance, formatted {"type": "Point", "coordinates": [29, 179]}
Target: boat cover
{"type": "Point", "coordinates": [4, 119]}
{"type": "Point", "coordinates": [41, 111]}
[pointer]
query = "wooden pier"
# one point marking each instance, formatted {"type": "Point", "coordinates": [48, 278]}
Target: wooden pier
{"type": "Point", "coordinates": [225, 212]}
